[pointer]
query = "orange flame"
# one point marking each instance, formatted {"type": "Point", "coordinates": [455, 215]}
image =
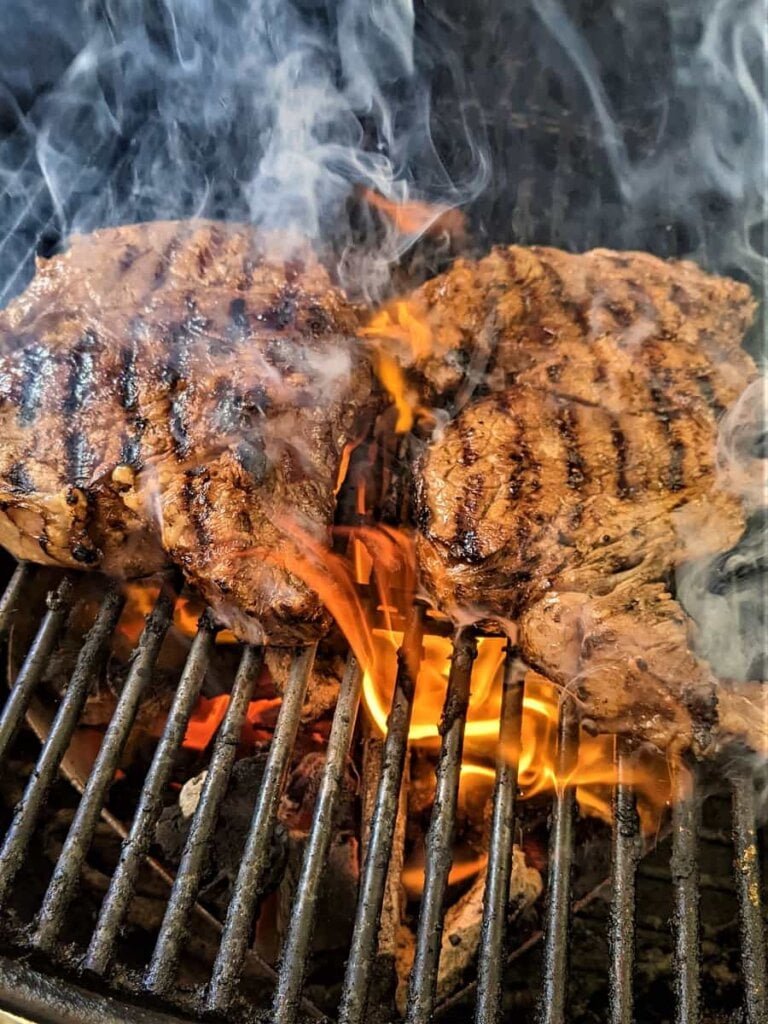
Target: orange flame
{"type": "Point", "coordinates": [375, 635]}
{"type": "Point", "coordinates": [404, 324]}
{"type": "Point", "coordinates": [463, 868]}
{"type": "Point", "coordinates": [410, 336]}
{"type": "Point", "coordinates": [414, 218]}
{"type": "Point", "coordinates": [140, 598]}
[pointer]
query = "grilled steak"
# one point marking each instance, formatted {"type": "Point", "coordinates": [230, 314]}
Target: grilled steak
{"type": "Point", "coordinates": [565, 499]}
{"type": "Point", "coordinates": [171, 393]}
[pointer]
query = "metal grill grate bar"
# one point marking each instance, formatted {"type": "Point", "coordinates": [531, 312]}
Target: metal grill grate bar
{"type": "Point", "coordinates": [686, 813]}
{"type": "Point", "coordinates": [552, 1006]}
{"type": "Point", "coordinates": [747, 871]}
{"type": "Point", "coordinates": [67, 872]}
{"type": "Point", "coordinates": [26, 813]}
{"type": "Point", "coordinates": [34, 663]}
{"type": "Point", "coordinates": [499, 870]}
{"type": "Point", "coordinates": [439, 841]}
{"type": "Point", "coordinates": [162, 968]}
{"type": "Point", "coordinates": [247, 890]}
{"type": "Point", "coordinates": [357, 979]}
{"type": "Point", "coordinates": [297, 943]}
{"type": "Point", "coordinates": [626, 851]}
{"type": "Point", "coordinates": [150, 805]}
{"type": "Point", "coordinates": [12, 594]}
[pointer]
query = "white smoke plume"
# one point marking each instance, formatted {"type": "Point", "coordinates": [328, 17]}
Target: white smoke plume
{"type": "Point", "coordinates": [272, 111]}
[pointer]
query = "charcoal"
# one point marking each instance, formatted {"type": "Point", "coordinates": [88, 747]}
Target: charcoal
{"type": "Point", "coordinates": [229, 839]}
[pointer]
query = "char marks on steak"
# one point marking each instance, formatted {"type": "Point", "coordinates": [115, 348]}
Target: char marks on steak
{"type": "Point", "coordinates": [565, 498]}
{"type": "Point", "coordinates": [169, 392]}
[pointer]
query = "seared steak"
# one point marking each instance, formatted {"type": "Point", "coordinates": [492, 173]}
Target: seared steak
{"type": "Point", "coordinates": [565, 499]}
{"type": "Point", "coordinates": [577, 325]}
{"type": "Point", "coordinates": [171, 393]}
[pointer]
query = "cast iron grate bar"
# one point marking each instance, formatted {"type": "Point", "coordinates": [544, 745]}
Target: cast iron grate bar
{"type": "Point", "coordinates": [439, 841]}
{"type": "Point", "coordinates": [625, 854]}
{"type": "Point", "coordinates": [66, 875]}
{"type": "Point", "coordinates": [686, 814]}
{"type": "Point", "coordinates": [490, 961]}
{"type": "Point", "coordinates": [137, 843]}
{"type": "Point", "coordinates": [26, 813]}
{"type": "Point", "coordinates": [357, 980]}
{"type": "Point", "coordinates": [747, 872]}
{"type": "Point", "coordinates": [161, 972]}
{"type": "Point", "coordinates": [34, 664]}
{"type": "Point", "coordinates": [557, 915]}
{"type": "Point", "coordinates": [12, 594]}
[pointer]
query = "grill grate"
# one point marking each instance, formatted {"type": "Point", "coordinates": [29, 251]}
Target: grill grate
{"type": "Point", "coordinates": [159, 983]}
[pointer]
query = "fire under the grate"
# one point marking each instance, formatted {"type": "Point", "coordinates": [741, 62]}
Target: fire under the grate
{"type": "Point", "coordinates": [242, 852]}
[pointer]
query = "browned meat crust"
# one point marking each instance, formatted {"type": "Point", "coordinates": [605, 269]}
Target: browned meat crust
{"type": "Point", "coordinates": [618, 328]}
{"type": "Point", "coordinates": [565, 500]}
{"type": "Point", "coordinates": [169, 393]}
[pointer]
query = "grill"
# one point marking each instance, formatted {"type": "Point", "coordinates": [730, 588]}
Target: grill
{"type": "Point", "coordinates": [41, 976]}
{"type": "Point", "coordinates": [552, 184]}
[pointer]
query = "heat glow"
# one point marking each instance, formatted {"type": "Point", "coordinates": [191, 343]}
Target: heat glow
{"type": "Point", "coordinates": [374, 630]}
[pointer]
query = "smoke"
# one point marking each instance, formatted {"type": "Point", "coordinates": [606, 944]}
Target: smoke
{"type": "Point", "coordinates": [272, 111]}
{"type": "Point", "coordinates": [707, 163]}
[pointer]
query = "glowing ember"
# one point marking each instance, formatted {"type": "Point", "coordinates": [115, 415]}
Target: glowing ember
{"type": "Point", "coordinates": [209, 713]}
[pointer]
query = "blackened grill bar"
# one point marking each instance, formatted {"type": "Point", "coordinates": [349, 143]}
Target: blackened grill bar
{"type": "Point", "coordinates": [553, 1004]}
{"type": "Point", "coordinates": [747, 872]}
{"type": "Point", "coordinates": [357, 979]}
{"type": "Point", "coordinates": [34, 663]}
{"type": "Point", "coordinates": [494, 926]}
{"type": "Point", "coordinates": [162, 968]}
{"type": "Point", "coordinates": [102, 955]}
{"type": "Point", "coordinates": [627, 848]}
{"type": "Point", "coordinates": [439, 841]}
{"type": "Point", "coordinates": [137, 844]}
{"type": "Point", "coordinates": [685, 874]}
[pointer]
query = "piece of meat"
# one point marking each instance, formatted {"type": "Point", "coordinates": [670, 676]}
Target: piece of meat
{"type": "Point", "coordinates": [601, 326]}
{"type": "Point", "coordinates": [566, 499]}
{"type": "Point", "coordinates": [170, 393]}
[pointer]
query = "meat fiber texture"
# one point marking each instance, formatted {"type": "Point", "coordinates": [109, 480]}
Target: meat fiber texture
{"type": "Point", "coordinates": [560, 502]}
{"type": "Point", "coordinates": [172, 393]}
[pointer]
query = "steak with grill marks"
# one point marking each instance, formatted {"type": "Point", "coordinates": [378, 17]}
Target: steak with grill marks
{"type": "Point", "coordinates": [169, 394]}
{"type": "Point", "coordinates": [565, 499]}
